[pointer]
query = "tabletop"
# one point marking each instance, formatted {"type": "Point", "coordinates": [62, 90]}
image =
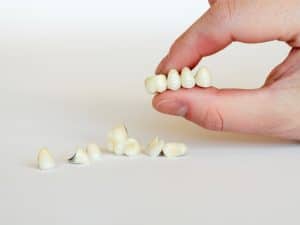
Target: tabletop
{"type": "Point", "coordinates": [70, 71]}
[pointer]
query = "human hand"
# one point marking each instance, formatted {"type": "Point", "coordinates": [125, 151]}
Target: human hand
{"type": "Point", "coordinates": [273, 109]}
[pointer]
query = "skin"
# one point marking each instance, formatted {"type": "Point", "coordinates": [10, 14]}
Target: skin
{"type": "Point", "coordinates": [271, 110]}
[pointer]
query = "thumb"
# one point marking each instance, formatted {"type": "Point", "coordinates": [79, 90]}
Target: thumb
{"type": "Point", "coordinates": [246, 111]}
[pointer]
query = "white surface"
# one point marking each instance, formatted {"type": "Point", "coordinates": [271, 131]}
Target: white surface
{"type": "Point", "coordinates": [70, 71]}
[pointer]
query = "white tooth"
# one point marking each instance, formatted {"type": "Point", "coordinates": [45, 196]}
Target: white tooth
{"type": "Point", "coordinates": [203, 77]}
{"type": "Point", "coordinates": [174, 149]}
{"type": "Point", "coordinates": [119, 148]}
{"type": "Point", "coordinates": [150, 84]}
{"type": "Point", "coordinates": [132, 147]}
{"type": "Point", "coordinates": [173, 80]}
{"type": "Point", "coordinates": [156, 84]}
{"type": "Point", "coordinates": [154, 148]}
{"type": "Point", "coordinates": [80, 157]}
{"type": "Point", "coordinates": [118, 133]}
{"type": "Point", "coordinates": [116, 138]}
{"type": "Point", "coordinates": [187, 78]}
{"type": "Point", "coordinates": [44, 160]}
{"type": "Point", "coordinates": [160, 83]}
{"type": "Point", "coordinates": [93, 151]}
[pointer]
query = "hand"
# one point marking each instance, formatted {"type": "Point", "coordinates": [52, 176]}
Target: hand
{"type": "Point", "coordinates": [273, 109]}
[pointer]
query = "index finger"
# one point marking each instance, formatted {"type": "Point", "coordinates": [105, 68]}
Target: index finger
{"type": "Point", "coordinates": [228, 21]}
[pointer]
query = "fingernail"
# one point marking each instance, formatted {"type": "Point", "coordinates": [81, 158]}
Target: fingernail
{"type": "Point", "coordinates": [173, 107]}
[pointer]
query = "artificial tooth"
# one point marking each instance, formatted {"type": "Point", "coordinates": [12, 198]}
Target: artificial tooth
{"type": "Point", "coordinates": [119, 148]}
{"type": "Point", "coordinates": [132, 147]}
{"type": "Point", "coordinates": [156, 84]}
{"type": "Point", "coordinates": [44, 160]}
{"type": "Point", "coordinates": [171, 150]}
{"type": "Point", "coordinates": [187, 78]}
{"type": "Point", "coordinates": [173, 80]}
{"type": "Point", "coordinates": [154, 148]}
{"type": "Point", "coordinates": [150, 84]}
{"type": "Point", "coordinates": [161, 83]}
{"type": "Point", "coordinates": [203, 78]}
{"type": "Point", "coordinates": [80, 157]}
{"type": "Point", "coordinates": [93, 151]}
{"type": "Point", "coordinates": [116, 139]}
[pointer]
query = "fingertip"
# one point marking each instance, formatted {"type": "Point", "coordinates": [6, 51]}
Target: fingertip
{"type": "Point", "coordinates": [192, 104]}
{"type": "Point", "coordinates": [180, 102]}
{"type": "Point", "coordinates": [168, 63]}
{"type": "Point", "coordinates": [170, 103]}
{"type": "Point", "coordinates": [184, 52]}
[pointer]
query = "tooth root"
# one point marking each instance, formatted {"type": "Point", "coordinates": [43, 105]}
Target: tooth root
{"type": "Point", "coordinates": [171, 150]}
{"type": "Point", "coordinates": [93, 152]}
{"type": "Point", "coordinates": [203, 77]}
{"type": "Point", "coordinates": [154, 148]}
{"type": "Point", "coordinates": [80, 157]}
{"type": "Point", "coordinates": [173, 81]}
{"type": "Point", "coordinates": [45, 160]}
{"type": "Point", "coordinates": [150, 84]}
{"type": "Point", "coordinates": [187, 78]}
{"type": "Point", "coordinates": [132, 147]}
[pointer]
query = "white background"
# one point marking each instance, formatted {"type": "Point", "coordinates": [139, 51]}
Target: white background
{"type": "Point", "coordinates": [71, 70]}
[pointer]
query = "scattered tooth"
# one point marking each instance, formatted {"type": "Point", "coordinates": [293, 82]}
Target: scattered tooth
{"type": "Point", "coordinates": [203, 77]}
{"type": "Point", "coordinates": [80, 157]}
{"type": "Point", "coordinates": [132, 147]}
{"type": "Point", "coordinates": [116, 139]}
{"type": "Point", "coordinates": [119, 148]}
{"type": "Point", "coordinates": [171, 150]}
{"type": "Point", "coordinates": [150, 84]}
{"type": "Point", "coordinates": [173, 81]}
{"type": "Point", "coordinates": [154, 148]}
{"type": "Point", "coordinates": [44, 160]}
{"type": "Point", "coordinates": [118, 133]}
{"type": "Point", "coordinates": [187, 78]}
{"type": "Point", "coordinates": [93, 152]}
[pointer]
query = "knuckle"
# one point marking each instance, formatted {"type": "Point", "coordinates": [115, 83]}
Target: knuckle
{"type": "Point", "coordinates": [223, 11]}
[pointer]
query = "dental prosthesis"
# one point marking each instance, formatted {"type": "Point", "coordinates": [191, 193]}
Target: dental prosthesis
{"type": "Point", "coordinates": [174, 81]}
